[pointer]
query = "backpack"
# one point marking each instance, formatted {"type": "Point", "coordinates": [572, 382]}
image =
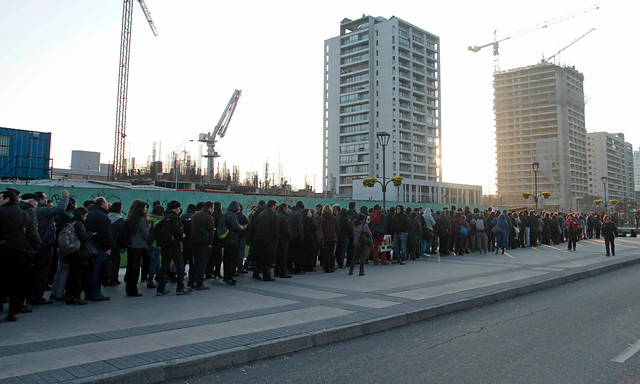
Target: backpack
{"type": "Point", "coordinates": [152, 234]}
{"type": "Point", "coordinates": [463, 230]}
{"type": "Point", "coordinates": [162, 233]}
{"type": "Point", "coordinates": [480, 225]}
{"type": "Point", "coordinates": [68, 241]}
{"type": "Point", "coordinates": [222, 229]}
{"type": "Point", "coordinates": [120, 229]}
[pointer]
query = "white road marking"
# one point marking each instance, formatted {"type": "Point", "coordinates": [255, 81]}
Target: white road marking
{"type": "Point", "coordinates": [627, 353]}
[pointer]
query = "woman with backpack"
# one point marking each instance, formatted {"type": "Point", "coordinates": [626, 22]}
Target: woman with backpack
{"type": "Point", "coordinates": [77, 263]}
{"type": "Point", "coordinates": [138, 232]}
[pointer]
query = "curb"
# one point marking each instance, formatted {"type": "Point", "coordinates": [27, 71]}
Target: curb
{"type": "Point", "coordinates": [180, 368]}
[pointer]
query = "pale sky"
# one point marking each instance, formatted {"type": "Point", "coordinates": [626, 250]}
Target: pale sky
{"type": "Point", "coordinates": [59, 73]}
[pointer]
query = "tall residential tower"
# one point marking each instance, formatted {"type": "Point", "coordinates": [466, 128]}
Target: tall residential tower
{"type": "Point", "coordinates": [539, 112]}
{"type": "Point", "coordinates": [381, 75]}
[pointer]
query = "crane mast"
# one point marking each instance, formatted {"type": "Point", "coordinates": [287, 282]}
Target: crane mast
{"type": "Point", "coordinates": [123, 84]}
{"type": "Point", "coordinates": [220, 130]}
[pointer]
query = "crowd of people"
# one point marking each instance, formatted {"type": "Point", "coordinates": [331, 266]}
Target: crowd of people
{"type": "Point", "coordinates": [73, 251]}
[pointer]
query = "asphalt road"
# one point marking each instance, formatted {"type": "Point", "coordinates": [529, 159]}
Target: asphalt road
{"type": "Point", "coordinates": [583, 332]}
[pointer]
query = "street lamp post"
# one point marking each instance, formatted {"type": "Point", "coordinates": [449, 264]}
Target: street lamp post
{"type": "Point", "coordinates": [383, 140]}
{"type": "Point", "coordinates": [604, 182]}
{"type": "Point", "coordinates": [535, 165]}
{"type": "Point", "coordinates": [175, 162]}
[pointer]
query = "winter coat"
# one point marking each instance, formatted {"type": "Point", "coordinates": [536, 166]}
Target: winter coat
{"type": "Point", "coordinates": [84, 235]}
{"type": "Point", "coordinates": [98, 222]}
{"type": "Point", "coordinates": [329, 225]}
{"type": "Point", "coordinates": [201, 229]}
{"type": "Point", "coordinates": [413, 235]}
{"type": "Point", "coordinates": [33, 237]}
{"type": "Point", "coordinates": [174, 228]}
{"type": "Point", "coordinates": [266, 229]}
{"type": "Point", "coordinates": [609, 230]}
{"type": "Point", "coordinates": [400, 223]}
{"type": "Point", "coordinates": [16, 223]}
{"type": "Point", "coordinates": [358, 228]}
{"type": "Point", "coordinates": [231, 221]}
{"type": "Point", "coordinates": [284, 230]}
{"type": "Point", "coordinates": [46, 225]}
{"type": "Point", "coordinates": [345, 228]}
{"type": "Point", "coordinates": [458, 222]}
{"type": "Point", "coordinates": [139, 235]}
{"type": "Point", "coordinates": [295, 224]}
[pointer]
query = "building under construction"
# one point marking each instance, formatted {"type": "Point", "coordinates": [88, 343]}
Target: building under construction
{"type": "Point", "coordinates": [539, 116]}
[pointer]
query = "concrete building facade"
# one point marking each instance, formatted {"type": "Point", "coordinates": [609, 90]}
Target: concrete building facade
{"type": "Point", "coordinates": [381, 75]}
{"type": "Point", "coordinates": [539, 117]}
{"type": "Point", "coordinates": [610, 156]}
{"type": "Point", "coordinates": [636, 169]}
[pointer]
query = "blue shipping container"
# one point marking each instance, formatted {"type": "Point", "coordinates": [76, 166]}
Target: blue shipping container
{"type": "Point", "coordinates": [25, 154]}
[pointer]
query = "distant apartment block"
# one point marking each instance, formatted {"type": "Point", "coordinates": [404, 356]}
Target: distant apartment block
{"type": "Point", "coordinates": [539, 117]}
{"type": "Point", "coordinates": [636, 169]}
{"type": "Point", "coordinates": [611, 157]}
{"type": "Point", "coordinates": [383, 75]}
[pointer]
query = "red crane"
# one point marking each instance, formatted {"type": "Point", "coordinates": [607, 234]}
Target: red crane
{"type": "Point", "coordinates": [119, 168]}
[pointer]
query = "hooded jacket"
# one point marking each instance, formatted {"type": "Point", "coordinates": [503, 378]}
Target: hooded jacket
{"type": "Point", "coordinates": [231, 221]}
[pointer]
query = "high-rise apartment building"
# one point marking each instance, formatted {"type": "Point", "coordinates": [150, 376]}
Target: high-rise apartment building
{"type": "Point", "coordinates": [539, 115]}
{"type": "Point", "coordinates": [382, 75]}
{"type": "Point", "coordinates": [611, 157]}
{"type": "Point", "coordinates": [636, 168]}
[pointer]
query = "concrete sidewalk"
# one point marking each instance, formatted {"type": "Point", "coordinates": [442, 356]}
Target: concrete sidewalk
{"type": "Point", "coordinates": [151, 339]}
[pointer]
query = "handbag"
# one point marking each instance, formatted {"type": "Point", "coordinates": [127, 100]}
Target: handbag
{"type": "Point", "coordinates": [87, 251]}
{"type": "Point", "coordinates": [496, 230]}
{"type": "Point", "coordinates": [365, 239]}
{"type": "Point", "coordinates": [463, 230]}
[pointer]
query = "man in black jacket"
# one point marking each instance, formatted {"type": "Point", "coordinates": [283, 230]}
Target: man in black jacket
{"type": "Point", "coordinates": [171, 251]}
{"type": "Point", "coordinates": [284, 238]}
{"type": "Point", "coordinates": [231, 242]}
{"type": "Point", "coordinates": [16, 232]}
{"type": "Point", "coordinates": [295, 258]}
{"type": "Point", "coordinates": [98, 222]}
{"type": "Point", "coordinates": [266, 230]}
{"type": "Point", "coordinates": [201, 238]}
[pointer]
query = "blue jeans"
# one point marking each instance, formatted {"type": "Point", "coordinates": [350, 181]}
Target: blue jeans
{"type": "Point", "coordinates": [527, 236]}
{"type": "Point", "coordinates": [93, 288]}
{"type": "Point", "coordinates": [342, 251]}
{"type": "Point", "coordinates": [400, 242]}
{"type": "Point", "coordinates": [422, 248]}
{"type": "Point", "coordinates": [154, 262]}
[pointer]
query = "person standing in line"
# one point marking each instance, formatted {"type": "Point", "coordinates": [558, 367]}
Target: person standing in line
{"type": "Point", "coordinates": [572, 229]}
{"type": "Point", "coordinates": [242, 241]}
{"type": "Point", "coordinates": [171, 251]}
{"type": "Point", "coordinates": [400, 225]}
{"type": "Point", "coordinates": [360, 250]}
{"type": "Point", "coordinates": [284, 238]}
{"type": "Point", "coordinates": [609, 232]}
{"type": "Point", "coordinates": [118, 228]}
{"type": "Point", "coordinates": [480, 224]}
{"type": "Point", "coordinates": [152, 268]}
{"type": "Point", "coordinates": [329, 228]}
{"type": "Point", "coordinates": [99, 223]}
{"type": "Point", "coordinates": [138, 229]}
{"type": "Point", "coordinates": [201, 238]}
{"type": "Point", "coordinates": [41, 263]}
{"type": "Point", "coordinates": [376, 226]}
{"type": "Point", "coordinates": [215, 257]}
{"type": "Point", "coordinates": [78, 266]}
{"type": "Point", "coordinates": [231, 242]}
{"type": "Point", "coordinates": [15, 230]}
{"type": "Point", "coordinates": [265, 227]}
{"type": "Point", "coordinates": [296, 253]}
{"type": "Point", "coordinates": [62, 272]}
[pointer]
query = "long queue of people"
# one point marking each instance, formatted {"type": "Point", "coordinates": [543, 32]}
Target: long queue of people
{"type": "Point", "coordinates": [69, 250]}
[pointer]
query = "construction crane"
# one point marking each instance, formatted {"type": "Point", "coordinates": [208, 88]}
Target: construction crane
{"type": "Point", "coordinates": [567, 46]}
{"type": "Point", "coordinates": [220, 130]}
{"type": "Point", "coordinates": [496, 41]}
{"type": "Point", "coordinates": [123, 83]}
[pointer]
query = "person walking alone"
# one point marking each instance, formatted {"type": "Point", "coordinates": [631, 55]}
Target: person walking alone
{"type": "Point", "coordinates": [609, 231]}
